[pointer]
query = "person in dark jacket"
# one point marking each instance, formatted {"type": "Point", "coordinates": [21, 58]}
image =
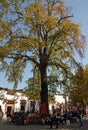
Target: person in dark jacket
{"type": "Point", "coordinates": [55, 119]}
{"type": "Point", "coordinates": [80, 116]}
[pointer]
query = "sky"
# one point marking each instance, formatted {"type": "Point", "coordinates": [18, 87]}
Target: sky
{"type": "Point", "coordinates": [79, 9]}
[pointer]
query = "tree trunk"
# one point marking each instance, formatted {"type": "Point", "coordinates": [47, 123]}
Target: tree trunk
{"type": "Point", "coordinates": [44, 88]}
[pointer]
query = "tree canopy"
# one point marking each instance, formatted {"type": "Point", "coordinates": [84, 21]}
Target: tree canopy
{"type": "Point", "coordinates": [79, 86]}
{"type": "Point", "coordinates": [41, 33]}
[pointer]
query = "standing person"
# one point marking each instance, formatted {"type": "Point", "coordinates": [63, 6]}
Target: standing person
{"type": "Point", "coordinates": [53, 110]}
{"type": "Point", "coordinates": [80, 116]}
{"type": "Point", "coordinates": [1, 116]}
{"type": "Point", "coordinates": [55, 118]}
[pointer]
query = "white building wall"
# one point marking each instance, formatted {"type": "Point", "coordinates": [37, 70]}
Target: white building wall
{"type": "Point", "coordinates": [17, 97]}
{"type": "Point", "coordinates": [59, 99]}
{"type": "Point", "coordinates": [17, 105]}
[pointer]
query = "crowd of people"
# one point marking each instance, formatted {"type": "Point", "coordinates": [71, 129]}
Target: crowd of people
{"type": "Point", "coordinates": [60, 115]}
{"type": "Point", "coordinates": [20, 118]}
{"type": "Point", "coordinates": [64, 116]}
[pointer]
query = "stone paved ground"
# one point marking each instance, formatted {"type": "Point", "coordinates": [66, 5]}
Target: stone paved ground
{"type": "Point", "coordinates": [74, 126]}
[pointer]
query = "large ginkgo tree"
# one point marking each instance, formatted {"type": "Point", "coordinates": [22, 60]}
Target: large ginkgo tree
{"type": "Point", "coordinates": [39, 32]}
